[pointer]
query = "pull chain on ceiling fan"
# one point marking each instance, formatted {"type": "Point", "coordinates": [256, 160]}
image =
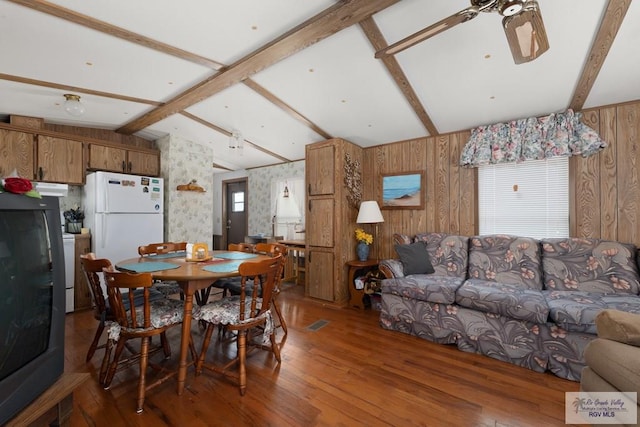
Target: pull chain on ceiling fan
{"type": "Point", "coordinates": [522, 25]}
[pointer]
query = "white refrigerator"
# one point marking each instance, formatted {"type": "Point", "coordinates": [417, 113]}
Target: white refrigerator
{"type": "Point", "coordinates": [122, 213]}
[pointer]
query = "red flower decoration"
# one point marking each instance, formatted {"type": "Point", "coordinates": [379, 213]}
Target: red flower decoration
{"type": "Point", "coordinates": [17, 185]}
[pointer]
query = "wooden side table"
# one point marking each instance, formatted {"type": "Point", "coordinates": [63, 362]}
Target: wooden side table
{"type": "Point", "coordinates": [355, 265]}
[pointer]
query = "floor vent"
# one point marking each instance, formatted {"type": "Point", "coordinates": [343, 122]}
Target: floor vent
{"type": "Point", "coordinates": [317, 325]}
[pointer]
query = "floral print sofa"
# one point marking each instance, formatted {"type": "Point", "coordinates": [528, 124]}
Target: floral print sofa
{"type": "Point", "coordinates": [524, 301]}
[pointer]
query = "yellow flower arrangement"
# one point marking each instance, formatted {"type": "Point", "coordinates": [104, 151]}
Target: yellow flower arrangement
{"type": "Point", "coordinates": [363, 237]}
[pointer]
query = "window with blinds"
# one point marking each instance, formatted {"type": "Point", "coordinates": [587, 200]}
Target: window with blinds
{"type": "Point", "coordinates": [525, 199]}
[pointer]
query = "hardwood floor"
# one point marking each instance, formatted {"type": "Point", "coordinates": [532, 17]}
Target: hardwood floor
{"type": "Point", "coordinates": [348, 372]}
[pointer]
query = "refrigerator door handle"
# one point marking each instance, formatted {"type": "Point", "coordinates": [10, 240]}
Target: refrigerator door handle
{"type": "Point", "coordinates": [103, 238]}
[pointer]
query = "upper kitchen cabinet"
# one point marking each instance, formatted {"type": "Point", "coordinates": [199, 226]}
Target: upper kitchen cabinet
{"type": "Point", "coordinates": [59, 160]}
{"type": "Point", "coordinates": [119, 159]}
{"type": "Point", "coordinates": [16, 153]}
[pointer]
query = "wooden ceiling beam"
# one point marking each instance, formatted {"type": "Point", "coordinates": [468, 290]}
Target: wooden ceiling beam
{"type": "Point", "coordinates": [76, 89]}
{"type": "Point", "coordinates": [378, 42]}
{"type": "Point", "coordinates": [609, 26]}
{"type": "Point", "coordinates": [342, 15]}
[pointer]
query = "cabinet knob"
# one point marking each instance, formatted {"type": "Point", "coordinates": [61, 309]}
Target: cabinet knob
{"type": "Point", "coordinates": [124, 166]}
{"type": "Point", "coordinates": [40, 173]}
{"type": "Point", "coordinates": [130, 166]}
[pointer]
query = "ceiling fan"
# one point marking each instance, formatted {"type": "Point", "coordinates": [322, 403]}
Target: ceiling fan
{"type": "Point", "coordinates": [522, 25]}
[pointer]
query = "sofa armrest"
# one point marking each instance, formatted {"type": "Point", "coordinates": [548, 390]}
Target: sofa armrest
{"type": "Point", "coordinates": [391, 268]}
{"type": "Point", "coordinates": [619, 326]}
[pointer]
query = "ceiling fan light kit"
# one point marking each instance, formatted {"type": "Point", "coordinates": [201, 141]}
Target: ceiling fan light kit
{"type": "Point", "coordinates": [526, 34]}
{"type": "Point", "coordinates": [522, 24]}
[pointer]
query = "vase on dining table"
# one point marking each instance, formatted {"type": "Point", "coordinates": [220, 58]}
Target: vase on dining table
{"type": "Point", "coordinates": [363, 251]}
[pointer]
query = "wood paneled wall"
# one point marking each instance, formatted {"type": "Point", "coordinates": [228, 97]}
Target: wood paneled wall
{"type": "Point", "coordinates": [604, 189]}
{"type": "Point", "coordinates": [450, 192]}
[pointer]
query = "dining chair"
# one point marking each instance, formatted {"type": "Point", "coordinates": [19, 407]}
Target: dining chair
{"type": "Point", "coordinates": [152, 318]}
{"type": "Point", "coordinates": [223, 283]}
{"type": "Point", "coordinates": [245, 314]}
{"type": "Point", "coordinates": [232, 286]}
{"type": "Point", "coordinates": [92, 268]}
{"type": "Point", "coordinates": [167, 287]}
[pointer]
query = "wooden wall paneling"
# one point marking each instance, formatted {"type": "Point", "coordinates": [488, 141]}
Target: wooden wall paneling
{"type": "Point", "coordinates": [584, 189]}
{"type": "Point", "coordinates": [468, 206]}
{"type": "Point", "coordinates": [454, 184]}
{"type": "Point", "coordinates": [441, 190]}
{"type": "Point", "coordinates": [608, 183]}
{"type": "Point", "coordinates": [431, 201]}
{"type": "Point", "coordinates": [628, 161]}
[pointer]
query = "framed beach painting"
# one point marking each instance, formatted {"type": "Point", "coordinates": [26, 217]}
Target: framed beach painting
{"type": "Point", "coordinates": [403, 190]}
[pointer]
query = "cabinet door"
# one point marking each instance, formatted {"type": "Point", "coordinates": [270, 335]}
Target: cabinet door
{"type": "Point", "coordinates": [320, 164]}
{"type": "Point", "coordinates": [60, 160]}
{"type": "Point", "coordinates": [81, 295]}
{"type": "Point", "coordinates": [321, 275]}
{"type": "Point", "coordinates": [143, 163]}
{"type": "Point", "coordinates": [320, 222]}
{"type": "Point", "coordinates": [16, 153]}
{"type": "Point", "coordinates": [106, 158]}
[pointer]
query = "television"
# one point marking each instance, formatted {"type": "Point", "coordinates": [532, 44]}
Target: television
{"type": "Point", "coordinates": [32, 300]}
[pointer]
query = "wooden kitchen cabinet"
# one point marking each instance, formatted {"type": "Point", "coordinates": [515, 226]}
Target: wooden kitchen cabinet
{"type": "Point", "coordinates": [330, 220]}
{"type": "Point", "coordinates": [123, 160]}
{"type": "Point", "coordinates": [59, 160]}
{"type": "Point", "coordinates": [81, 295]}
{"type": "Point", "coordinates": [17, 153]}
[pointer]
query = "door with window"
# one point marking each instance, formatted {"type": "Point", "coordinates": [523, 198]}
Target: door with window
{"type": "Point", "coordinates": [235, 211]}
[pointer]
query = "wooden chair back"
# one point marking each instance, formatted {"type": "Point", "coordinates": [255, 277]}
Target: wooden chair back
{"type": "Point", "coordinates": [121, 287]}
{"type": "Point", "coordinates": [92, 268]}
{"type": "Point", "coordinates": [157, 248]}
{"type": "Point", "coordinates": [242, 247]}
{"type": "Point", "coordinates": [271, 249]}
{"type": "Point", "coordinates": [263, 274]}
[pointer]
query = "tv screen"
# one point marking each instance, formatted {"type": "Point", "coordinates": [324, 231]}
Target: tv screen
{"type": "Point", "coordinates": [31, 300]}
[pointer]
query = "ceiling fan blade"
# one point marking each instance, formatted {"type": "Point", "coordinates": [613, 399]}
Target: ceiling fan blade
{"type": "Point", "coordinates": [525, 33]}
{"type": "Point", "coordinates": [430, 31]}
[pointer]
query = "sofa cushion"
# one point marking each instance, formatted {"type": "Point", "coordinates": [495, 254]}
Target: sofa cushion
{"type": "Point", "coordinates": [506, 259]}
{"type": "Point", "coordinates": [502, 298]}
{"type": "Point", "coordinates": [590, 265]}
{"type": "Point", "coordinates": [423, 287]}
{"type": "Point", "coordinates": [576, 311]}
{"type": "Point", "coordinates": [448, 253]}
{"type": "Point", "coordinates": [414, 258]}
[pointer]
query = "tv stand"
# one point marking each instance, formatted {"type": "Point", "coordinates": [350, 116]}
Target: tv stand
{"type": "Point", "coordinates": [54, 406]}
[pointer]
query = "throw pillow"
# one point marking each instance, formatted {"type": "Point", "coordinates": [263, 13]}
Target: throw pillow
{"type": "Point", "coordinates": [415, 258]}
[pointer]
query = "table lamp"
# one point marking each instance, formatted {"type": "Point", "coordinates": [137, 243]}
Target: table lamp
{"type": "Point", "coordinates": [369, 213]}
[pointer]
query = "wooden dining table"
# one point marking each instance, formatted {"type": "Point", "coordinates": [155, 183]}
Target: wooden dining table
{"type": "Point", "coordinates": [192, 276]}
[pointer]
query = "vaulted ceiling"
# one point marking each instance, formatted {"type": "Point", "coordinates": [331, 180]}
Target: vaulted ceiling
{"type": "Point", "coordinates": [286, 73]}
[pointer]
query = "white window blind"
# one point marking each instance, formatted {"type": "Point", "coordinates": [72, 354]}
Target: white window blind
{"type": "Point", "coordinates": [525, 199]}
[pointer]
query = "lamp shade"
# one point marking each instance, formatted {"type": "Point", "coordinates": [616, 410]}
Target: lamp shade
{"type": "Point", "coordinates": [369, 213]}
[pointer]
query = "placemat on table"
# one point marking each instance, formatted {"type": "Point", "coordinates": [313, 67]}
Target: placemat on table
{"type": "Point", "coordinates": [224, 267]}
{"type": "Point", "coordinates": [169, 255]}
{"type": "Point", "coordinates": [147, 267]}
{"type": "Point", "coordinates": [235, 255]}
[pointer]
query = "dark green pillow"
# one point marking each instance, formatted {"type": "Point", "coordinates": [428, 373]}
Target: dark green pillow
{"type": "Point", "coordinates": [415, 258]}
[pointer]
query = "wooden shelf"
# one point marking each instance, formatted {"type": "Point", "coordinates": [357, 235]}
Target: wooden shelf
{"type": "Point", "coordinates": [54, 406]}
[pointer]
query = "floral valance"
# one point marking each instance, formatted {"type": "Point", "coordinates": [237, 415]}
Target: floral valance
{"type": "Point", "coordinates": [559, 134]}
